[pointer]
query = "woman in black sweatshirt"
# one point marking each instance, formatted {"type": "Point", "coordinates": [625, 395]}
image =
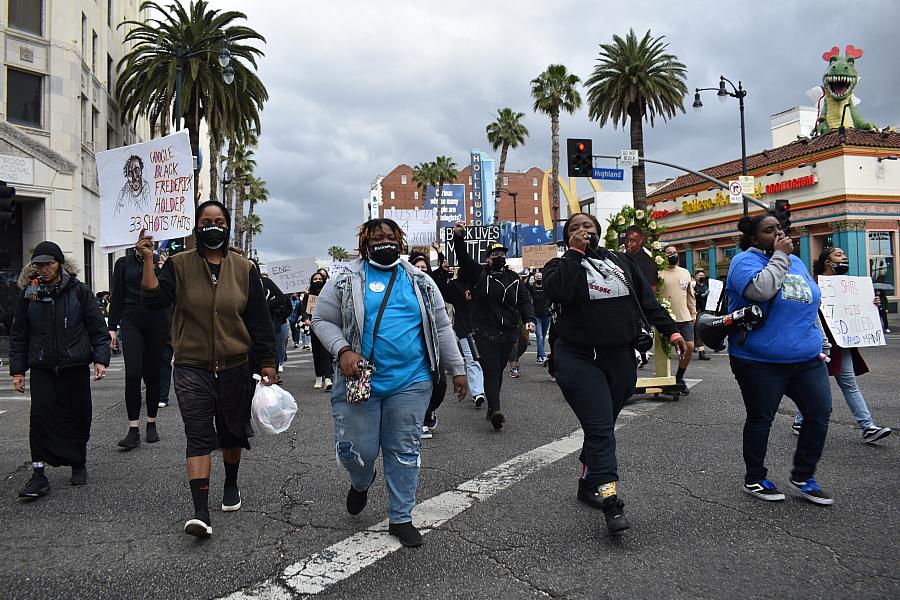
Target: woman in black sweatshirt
{"type": "Point", "coordinates": [597, 294]}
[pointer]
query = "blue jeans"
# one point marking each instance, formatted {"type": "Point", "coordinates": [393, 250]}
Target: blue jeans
{"type": "Point", "coordinates": [473, 369]}
{"type": "Point", "coordinates": [392, 424]}
{"type": "Point", "coordinates": [284, 331]}
{"type": "Point", "coordinates": [762, 387]}
{"type": "Point", "coordinates": [541, 327]}
{"type": "Point", "coordinates": [846, 380]}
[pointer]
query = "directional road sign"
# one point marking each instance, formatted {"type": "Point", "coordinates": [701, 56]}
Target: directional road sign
{"type": "Point", "coordinates": [612, 174]}
{"type": "Point", "coordinates": [736, 191]}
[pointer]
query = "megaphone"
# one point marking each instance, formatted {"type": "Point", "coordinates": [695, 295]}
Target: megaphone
{"type": "Point", "coordinates": [713, 329]}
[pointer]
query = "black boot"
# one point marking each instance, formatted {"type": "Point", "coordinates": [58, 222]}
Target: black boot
{"type": "Point", "coordinates": [152, 435]}
{"type": "Point", "coordinates": [132, 440]}
{"type": "Point", "coordinates": [703, 355]}
{"type": "Point", "coordinates": [615, 517]}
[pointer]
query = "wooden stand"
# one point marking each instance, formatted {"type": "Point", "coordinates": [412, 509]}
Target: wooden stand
{"type": "Point", "coordinates": [663, 381]}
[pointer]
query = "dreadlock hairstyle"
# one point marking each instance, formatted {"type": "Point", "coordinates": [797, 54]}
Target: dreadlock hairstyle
{"type": "Point", "coordinates": [367, 229]}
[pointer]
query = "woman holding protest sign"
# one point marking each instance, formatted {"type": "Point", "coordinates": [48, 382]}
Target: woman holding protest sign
{"type": "Point", "coordinates": [220, 318]}
{"type": "Point", "coordinates": [323, 362]}
{"type": "Point", "coordinates": [846, 363]}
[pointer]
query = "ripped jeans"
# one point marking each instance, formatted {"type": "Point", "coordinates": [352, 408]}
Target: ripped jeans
{"type": "Point", "coordinates": [393, 424]}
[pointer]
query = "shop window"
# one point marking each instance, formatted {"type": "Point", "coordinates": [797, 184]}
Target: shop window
{"type": "Point", "coordinates": [730, 252]}
{"type": "Point", "coordinates": [882, 261]}
{"type": "Point", "coordinates": [23, 97]}
{"type": "Point", "coordinates": [26, 15]}
{"type": "Point", "coordinates": [89, 263]}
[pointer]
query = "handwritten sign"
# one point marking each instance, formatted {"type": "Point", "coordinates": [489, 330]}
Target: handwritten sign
{"type": "Point", "coordinates": [418, 225]}
{"type": "Point", "coordinates": [146, 186]}
{"type": "Point", "coordinates": [311, 303]}
{"type": "Point", "coordinates": [716, 288]}
{"type": "Point", "coordinates": [849, 311]}
{"type": "Point", "coordinates": [478, 239]}
{"type": "Point", "coordinates": [292, 275]}
{"type": "Point", "coordinates": [538, 256]}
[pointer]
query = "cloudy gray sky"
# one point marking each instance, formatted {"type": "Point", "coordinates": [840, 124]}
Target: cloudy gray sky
{"type": "Point", "coordinates": [357, 87]}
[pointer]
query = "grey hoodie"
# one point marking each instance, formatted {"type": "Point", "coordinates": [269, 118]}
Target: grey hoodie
{"type": "Point", "coordinates": [339, 316]}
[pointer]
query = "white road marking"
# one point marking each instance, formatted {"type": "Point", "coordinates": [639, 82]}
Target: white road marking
{"type": "Point", "coordinates": [317, 572]}
{"type": "Point", "coordinates": [2, 411]}
{"type": "Point", "coordinates": [17, 396]}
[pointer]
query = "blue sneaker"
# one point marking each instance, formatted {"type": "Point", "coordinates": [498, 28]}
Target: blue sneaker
{"type": "Point", "coordinates": [810, 490]}
{"type": "Point", "coordinates": [763, 489]}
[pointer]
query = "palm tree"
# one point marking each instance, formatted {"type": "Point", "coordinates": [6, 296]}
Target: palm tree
{"type": "Point", "coordinates": [254, 226]}
{"type": "Point", "coordinates": [636, 80]}
{"type": "Point", "coordinates": [554, 90]}
{"type": "Point", "coordinates": [258, 192]}
{"type": "Point", "coordinates": [338, 253]}
{"type": "Point", "coordinates": [190, 35]}
{"type": "Point", "coordinates": [423, 176]}
{"type": "Point", "coordinates": [244, 163]}
{"type": "Point", "coordinates": [505, 133]}
{"type": "Point", "coordinates": [444, 172]}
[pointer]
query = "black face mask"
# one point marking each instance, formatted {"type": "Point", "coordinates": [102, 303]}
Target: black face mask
{"type": "Point", "coordinates": [212, 236]}
{"type": "Point", "coordinates": [701, 280]}
{"type": "Point", "coordinates": [384, 254]}
{"type": "Point", "coordinates": [316, 286]}
{"type": "Point", "coordinates": [673, 260]}
{"type": "Point", "coordinates": [840, 268]}
{"type": "Point", "coordinates": [498, 263]}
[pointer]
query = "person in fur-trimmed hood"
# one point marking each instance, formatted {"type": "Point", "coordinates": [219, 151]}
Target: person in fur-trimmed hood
{"type": "Point", "coordinates": [57, 332]}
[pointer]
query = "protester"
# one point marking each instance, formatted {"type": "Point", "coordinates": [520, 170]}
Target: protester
{"type": "Point", "coordinates": [103, 303]}
{"type": "Point", "coordinates": [146, 332]}
{"type": "Point", "coordinates": [601, 297]}
{"type": "Point", "coordinates": [634, 247]}
{"type": "Point", "coordinates": [458, 294]}
{"type": "Point", "coordinates": [499, 301]}
{"type": "Point", "coordinates": [520, 347]}
{"type": "Point", "coordinates": [883, 307]}
{"type": "Point", "coordinates": [846, 363]}
{"type": "Point", "coordinates": [279, 309]}
{"type": "Point", "coordinates": [57, 331]}
{"type": "Point", "coordinates": [292, 319]}
{"type": "Point", "coordinates": [439, 387]}
{"type": "Point", "coordinates": [323, 362]}
{"type": "Point", "coordinates": [701, 293]}
{"type": "Point", "coordinates": [783, 356]}
{"type": "Point", "coordinates": [541, 314]}
{"type": "Point", "coordinates": [385, 312]}
{"type": "Point", "coordinates": [678, 289]}
{"type": "Point", "coordinates": [220, 316]}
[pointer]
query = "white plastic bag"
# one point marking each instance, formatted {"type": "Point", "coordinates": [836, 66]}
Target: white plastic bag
{"type": "Point", "coordinates": [272, 409]}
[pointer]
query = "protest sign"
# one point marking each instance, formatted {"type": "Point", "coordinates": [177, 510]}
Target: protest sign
{"type": "Point", "coordinates": [538, 256]}
{"type": "Point", "coordinates": [292, 275]}
{"type": "Point", "coordinates": [311, 303]}
{"type": "Point", "coordinates": [478, 238]}
{"type": "Point", "coordinates": [146, 186]}
{"type": "Point", "coordinates": [849, 311]}
{"type": "Point", "coordinates": [716, 288]}
{"type": "Point", "coordinates": [418, 225]}
{"type": "Point", "coordinates": [453, 202]}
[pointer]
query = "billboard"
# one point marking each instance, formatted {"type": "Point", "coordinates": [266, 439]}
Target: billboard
{"type": "Point", "coordinates": [453, 203]}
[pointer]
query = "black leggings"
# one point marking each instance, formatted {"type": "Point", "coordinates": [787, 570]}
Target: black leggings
{"type": "Point", "coordinates": [438, 391]}
{"type": "Point", "coordinates": [322, 361]}
{"type": "Point", "coordinates": [145, 333]}
{"type": "Point", "coordinates": [493, 361]}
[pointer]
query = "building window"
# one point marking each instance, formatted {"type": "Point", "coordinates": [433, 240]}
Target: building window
{"type": "Point", "coordinates": [470, 195]}
{"type": "Point", "coordinates": [536, 210]}
{"type": "Point", "coordinates": [94, 51]}
{"type": "Point", "coordinates": [109, 12]}
{"type": "Point", "coordinates": [89, 263]}
{"type": "Point", "coordinates": [26, 15]}
{"type": "Point", "coordinates": [392, 195]}
{"type": "Point", "coordinates": [536, 223]}
{"type": "Point", "coordinates": [881, 257]}
{"type": "Point", "coordinates": [535, 197]}
{"type": "Point", "coordinates": [470, 180]}
{"type": "Point", "coordinates": [415, 195]}
{"type": "Point", "coordinates": [23, 97]}
{"type": "Point", "coordinates": [86, 127]}
{"type": "Point", "coordinates": [84, 29]}
{"type": "Point", "coordinates": [110, 73]}
{"type": "Point", "coordinates": [403, 180]}
{"type": "Point", "coordinates": [534, 182]}
{"type": "Point", "coordinates": [110, 138]}
{"type": "Point", "coordinates": [95, 124]}
{"type": "Point", "coordinates": [505, 180]}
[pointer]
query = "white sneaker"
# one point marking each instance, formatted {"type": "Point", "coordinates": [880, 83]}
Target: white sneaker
{"type": "Point", "coordinates": [327, 384]}
{"type": "Point", "coordinates": [281, 368]}
{"type": "Point", "coordinates": [426, 433]}
{"type": "Point", "coordinates": [318, 384]}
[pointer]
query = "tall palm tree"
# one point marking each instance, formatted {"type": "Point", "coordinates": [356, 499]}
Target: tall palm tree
{"type": "Point", "coordinates": [636, 80]}
{"type": "Point", "coordinates": [338, 253]}
{"type": "Point", "coordinates": [506, 132]}
{"type": "Point", "coordinates": [244, 163]}
{"type": "Point", "coordinates": [258, 192]}
{"type": "Point", "coordinates": [555, 90]}
{"type": "Point", "coordinates": [254, 226]}
{"type": "Point", "coordinates": [190, 35]}
{"type": "Point", "coordinates": [423, 176]}
{"type": "Point", "coordinates": [444, 172]}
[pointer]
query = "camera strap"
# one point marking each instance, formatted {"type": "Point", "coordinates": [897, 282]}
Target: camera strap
{"type": "Point", "coordinates": [384, 301]}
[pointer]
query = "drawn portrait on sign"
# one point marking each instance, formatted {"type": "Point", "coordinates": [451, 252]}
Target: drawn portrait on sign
{"type": "Point", "coordinates": [135, 194]}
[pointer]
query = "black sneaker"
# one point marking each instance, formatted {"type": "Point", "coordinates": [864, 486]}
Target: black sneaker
{"type": "Point", "coordinates": [874, 433]}
{"type": "Point", "coordinates": [616, 522]}
{"type": "Point", "coordinates": [479, 400]}
{"type": "Point", "coordinates": [589, 494]}
{"type": "Point", "coordinates": [36, 487]}
{"type": "Point", "coordinates": [810, 490]}
{"type": "Point", "coordinates": [408, 535]}
{"type": "Point", "coordinates": [132, 440]}
{"type": "Point", "coordinates": [496, 418]}
{"type": "Point", "coordinates": [79, 475]}
{"type": "Point", "coordinates": [200, 526]}
{"type": "Point", "coordinates": [763, 489]}
{"type": "Point", "coordinates": [684, 391]}
{"type": "Point", "coordinates": [703, 356]}
{"type": "Point", "coordinates": [356, 501]}
{"type": "Point", "coordinates": [152, 436]}
{"type": "Point", "coordinates": [431, 420]}
{"type": "Point", "coordinates": [795, 427]}
{"type": "Point", "coordinates": [231, 498]}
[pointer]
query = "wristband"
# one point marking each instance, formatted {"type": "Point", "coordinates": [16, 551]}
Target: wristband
{"type": "Point", "coordinates": [579, 251]}
{"type": "Point", "coordinates": [342, 350]}
{"type": "Point", "coordinates": [675, 336]}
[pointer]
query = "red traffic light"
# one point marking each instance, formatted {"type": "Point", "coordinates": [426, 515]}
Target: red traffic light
{"type": "Point", "coordinates": [581, 147]}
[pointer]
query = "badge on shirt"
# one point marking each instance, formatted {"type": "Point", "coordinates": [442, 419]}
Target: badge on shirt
{"type": "Point", "coordinates": [376, 286]}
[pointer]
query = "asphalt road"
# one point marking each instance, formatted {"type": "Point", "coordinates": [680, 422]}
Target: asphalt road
{"type": "Point", "coordinates": [694, 534]}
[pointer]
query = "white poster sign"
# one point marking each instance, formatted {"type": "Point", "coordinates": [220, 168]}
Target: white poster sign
{"type": "Point", "coordinates": [292, 275]}
{"type": "Point", "coordinates": [715, 292]}
{"type": "Point", "coordinates": [849, 311]}
{"type": "Point", "coordinates": [418, 225]}
{"type": "Point", "coordinates": [146, 186]}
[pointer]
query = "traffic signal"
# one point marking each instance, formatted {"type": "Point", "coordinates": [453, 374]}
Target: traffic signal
{"type": "Point", "coordinates": [7, 203]}
{"type": "Point", "coordinates": [580, 157]}
{"type": "Point", "coordinates": [783, 214]}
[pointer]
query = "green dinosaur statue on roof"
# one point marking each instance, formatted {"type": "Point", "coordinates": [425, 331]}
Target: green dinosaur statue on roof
{"type": "Point", "coordinates": [838, 84]}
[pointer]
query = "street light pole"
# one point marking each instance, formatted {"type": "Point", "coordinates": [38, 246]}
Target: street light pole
{"type": "Point", "coordinates": [515, 197]}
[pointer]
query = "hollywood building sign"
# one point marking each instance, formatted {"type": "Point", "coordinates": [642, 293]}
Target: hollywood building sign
{"type": "Point", "coordinates": [792, 184]}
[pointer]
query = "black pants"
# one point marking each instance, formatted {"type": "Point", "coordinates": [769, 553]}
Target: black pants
{"type": "Point", "coordinates": [295, 331]}
{"type": "Point", "coordinates": [762, 386]}
{"type": "Point", "coordinates": [165, 373]}
{"type": "Point", "coordinates": [60, 419]}
{"type": "Point", "coordinates": [438, 391]}
{"type": "Point", "coordinates": [493, 358]}
{"type": "Point", "coordinates": [215, 408]}
{"type": "Point", "coordinates": [596, 383]}
{"type": "Point", "coordinates": [322, 360]}
{"type": "Point", "coordinates": [145, 333]}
